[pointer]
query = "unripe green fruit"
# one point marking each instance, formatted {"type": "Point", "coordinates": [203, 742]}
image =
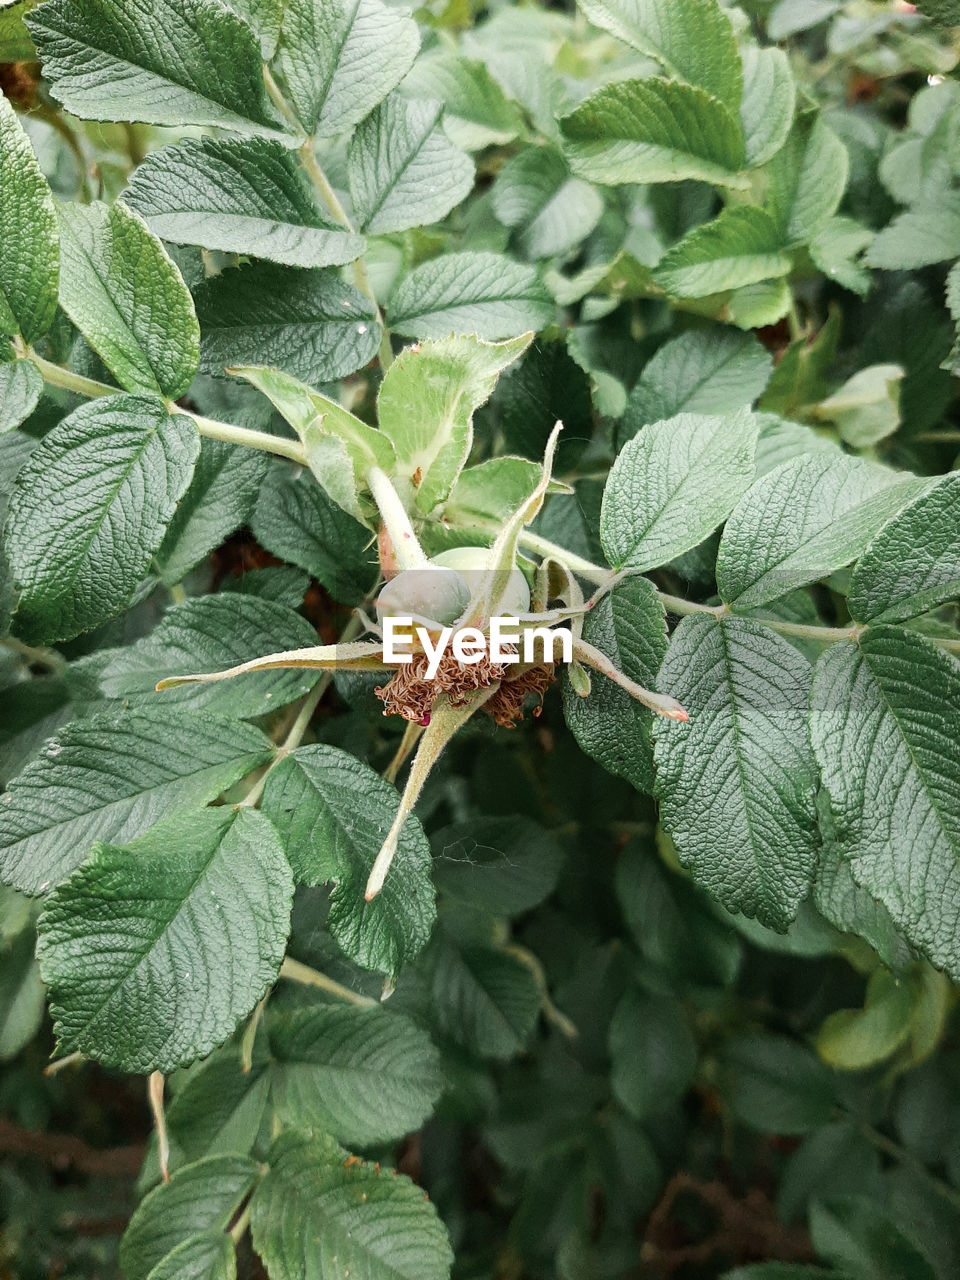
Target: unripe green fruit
{"type": "Point", "coordinates": [516, 596]}
{"type": "Point", "coordinates": [432, 592]}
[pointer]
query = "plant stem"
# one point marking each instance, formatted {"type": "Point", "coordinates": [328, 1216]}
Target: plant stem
{"type": "Point", "coordinates": [239, 1228]}
{"type": "Point", "coordinates": [406, 545]}
{"type": "Point", "coordinates": [47, 658]}
{"type": "Point", "coordinates": [155, 1086]}
{"type": "Point", "coordinates": [57, 376]}
{"type": "Point", "coordinates": [907, 1158]}
{"type": "Point", "coordinates": [294, 971]}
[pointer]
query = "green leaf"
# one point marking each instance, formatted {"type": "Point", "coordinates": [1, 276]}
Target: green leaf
{"type": "Point", "coordinates": [404, 171]}
{"type": "Point", "coordinates": [866, 409]}
{"type": "Point", "coordinates": [802, 521]}
{"type": "Point", "coordinates": [923, 235]}
{"type": "Point", "coordinates": [309, 323]}
{"type": "Point", "coordinates": [15, 42]}
{"type": "Point", "coordinates": [884, 731]}
{"type": "Point", "coordinates": [737, 782]}
{"type": "Point", "coordinates": [673, 484]}
{"type": "Point", "coordinates": [775, 1085]}
{"type": "Point", "coordinates": [653, 1053]}
{"type": "Point", "coordinates": [800, 378]}
{"type": "Point", "coordinates": [202, 1197]}
{"type": "Point", "coordinates": [22, 995]}
{"type": "Point", "coordinates": [29, 253]}
{"type": "Point", "coordinates": [654, 130]}
{"type": "Point", "coordinates": [484, 294]}
{"type": "Point", "coordinates": [482, 997]}
{"type": "Point", "coordinates": [340, 59]}
{"type": "Point", "coordinates": [21, 386]}
{"type": "Point", "coordinates": [239, 195]}
{"type": "Point", "coordinates": [296, 521]}
{"type": "Point", "coordinates": [787, 17]}
{"type": "Point", "coordinates": [629, 626]}
{"type": "Point", "coordinates": [913, 563]}
{"type": "Point", "coordinates": [332, 812]}
{"type": "Point", "coordinates": [546, 385]}
{"type": "Point", "coordinates": [837, 249]}
{"type": "Point", "coordinates": [714, 370]}
{"type": "Point", "coordinates": [490, 491]}
{"type": "Point", "coordinates": [853, 1234]}
{"type": "Point", "coordinates": [851, 909]}
{"type": "Point", "coordinates": [89, 510]}
{"type": "Point", "coordinates": [426, 405]}
{"type": "Point", "coordinates": [207, 1256]}
{"type": "Point", "coordinates": [741, 246]}
{"type": "Point", "coordinates": [220, 500]}
{"type": "Point", "coordinates": [219, 1109]}
{"type": "Point", "coordinates": [691, 39]}
{"type": "Point", "coordinates": [806, 180]}
{"type": "Point", "coordinates": [265, 17]}
{"type": "Point", "coordinates": [769, 101]}
{"type": "Point", "coordinates": [319, 1213]}
{"type": "Point", "coordinates": [551, 211]}
{"type": "Point", "coordinates": [858, 1039]}
{"type": "Point", "coordinates": [506, 866]}
{"type": "Point", "coordinates": [180, 62]}
{"type": "Point", "coordinates": [112, 776]}
{"type": "Point", "coordinates": [364, 1076]}
{"type": "Point", "coordinates": [127, 298]}
{"type": "Point", "coordinates": [155, 950]}
{"type": "Point", "coordinates": [476, 112]}
{"type": "Point", "coordinates": [211, 633]}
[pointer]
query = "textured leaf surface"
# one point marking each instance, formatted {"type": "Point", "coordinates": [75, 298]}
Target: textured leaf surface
{"type": "Point", "coordinates": [127, 298]}
{"type": "Point", "coordinates": [737, 782]}
{"type": "Point", "coordinates": [884, 725]}
{"type": "Point", "coordinates": [801, 521]}
{"type": "Point", "coordinates": [550, 210]}
{"type": "Point", "coordinates": [342, 57]}
{"type": "Point", "coordinates": [654, 130]}
{"type": "Point", "coordinates": [404, 171]}
{"type": "Point", "coordinates": [112, 776]}
{"type": "Point", "coordinates": [483, 998]}
{"type": "Point", "coordinates": [207, 1256]}
{"type": "Point", "coordinates": [741, 246]}
{"type": "Point", "coordinates": [363, 1076]}
{"type": "Point", "coordinates": [628, 625]}
{"type": "Point", "coordinates": [426, 405]}
{"type": "Point", "coordinates": [914, 561]}
{"type": "Point", "coordinates": [769, 99]}
{"type": "Point", "coordinates": [21, 386]}
{"type": "Point", "coordinates": [919, 237]}
{"type": "Point", "coordinates": [506, 866]}
{"type": "Point", "coordinates": [211, 633]}
{"type": "Point", "coordinates": [477, 113]}
{"type": "Point", "coordinates": [28, 236]}
{"type": "Point", "coordinates": [239, 195]}
{"type": "Point", "coordinates": [199, 1198]}
{"type": "Point", "coordinates": [160, 61]}
{"type": "Point", "coordinates": [318, 1214]}
{"type": "Point", "coordinates": [154, 951]}
{"type": "Point", "coordinates": [703, 371]}
{"type": "Point", "coordinates": [332, 812]}
{"type": "Point", "coordinates": [692, 39]}
{"type": "Point", "coordinates": [89, 510]}
{"type": "Point", "coordinates": [673, 484]}
{"type": "Point", "coordinates": [806, 179]}
{"type": "Point", "coordinates": [480, 293]}
{"type": "Point", "coordinates": [309, 323]}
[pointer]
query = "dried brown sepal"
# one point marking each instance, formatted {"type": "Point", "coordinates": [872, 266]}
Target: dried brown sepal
{"type": "Point", "coordinates": [506, 705]}
{"type": "Point", "coordinates": [409, 693]}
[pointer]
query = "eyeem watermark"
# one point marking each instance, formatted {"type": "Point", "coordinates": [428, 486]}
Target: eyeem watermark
{"type": "Point", "coordinates": [504, 643]}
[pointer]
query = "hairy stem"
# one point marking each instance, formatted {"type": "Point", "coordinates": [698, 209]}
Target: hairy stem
{"type": "Point", "coordinates": [294, 971]}
{"type": "Point", "coordinates": [406, 545]}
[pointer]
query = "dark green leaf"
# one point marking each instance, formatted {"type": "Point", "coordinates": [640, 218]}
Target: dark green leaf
{"type": "Point", "coordinates": [29, 252]}
{"type": "Point", "coordinates": [21, 386]}
{"type": "Point", "coordinates": [484, 294]}
{"type": "Point", "coordinates": [774, 1085]}
{"type": "Point", "coordinates": [852, 1234]}
{"type": "Point", "coordinates": [506, 866]}
{"type": "Point", "coordinates": [653, 1053]}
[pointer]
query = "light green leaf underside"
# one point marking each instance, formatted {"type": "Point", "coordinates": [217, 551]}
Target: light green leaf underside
{"type": "Point", "coordinates": [404, 171]}
{"type": "Point", "coordinates": [884, 725]}
{"type": "Point", "coordinates": [629, 626]}
{"type": "Point", "coordinates": [741, 246]}
{"type": "Point", "coordinates": [169, 62]}
{"type": "Point", "coordinates": [318, 1214]}
{"type": "Point", "coordinates": [154, 951]}
{"type": "Point", "coordinates": [806, 180]}
{"type": "Point", "coordinates": [477, 113]}
{"type": "Point", "coordinates": [769, 100]}
{"type": "Point", "coordinates": [212, 633]}
{"type": "Point", "coordinates": [919, 237]}
{"type": "Point", "coordinates": [363, 1076]}
{"type": "Point", "coordinates": [654, 130]}
{"type": "Point", "coordinates": [29, 252]}
{"type": "Point", "coordinates": [239, 195]}
{"type": "Point", "coordinates": [89, 510]}
{"type": "Point", "coordinates": [426, 404]}
{"type": "Point", "coordinates": [340, 58]}
{"type": "Point", "coordinates": [913, 563]}
{"type": "Point", "coordinates": [802, 521]}
{"type": "Point", "coordinates": [112, 776]}
{"type": "Point", "coordinates": [21, 386]}
{"type": "Point", "coordinates": [207, 1256]}
{"type": "Point", "coordinates": [332, 812]}
{"type": "Point", "coordinates": [127, 298]}
{"type": "Point", "coordinates": [550, 210]}
{"type": "Point", "coordinates": [737, 783]}
{"type": "Point", "coordinates": [480, 293]}
{"type": "Point", "coordinates": [673, 484]}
